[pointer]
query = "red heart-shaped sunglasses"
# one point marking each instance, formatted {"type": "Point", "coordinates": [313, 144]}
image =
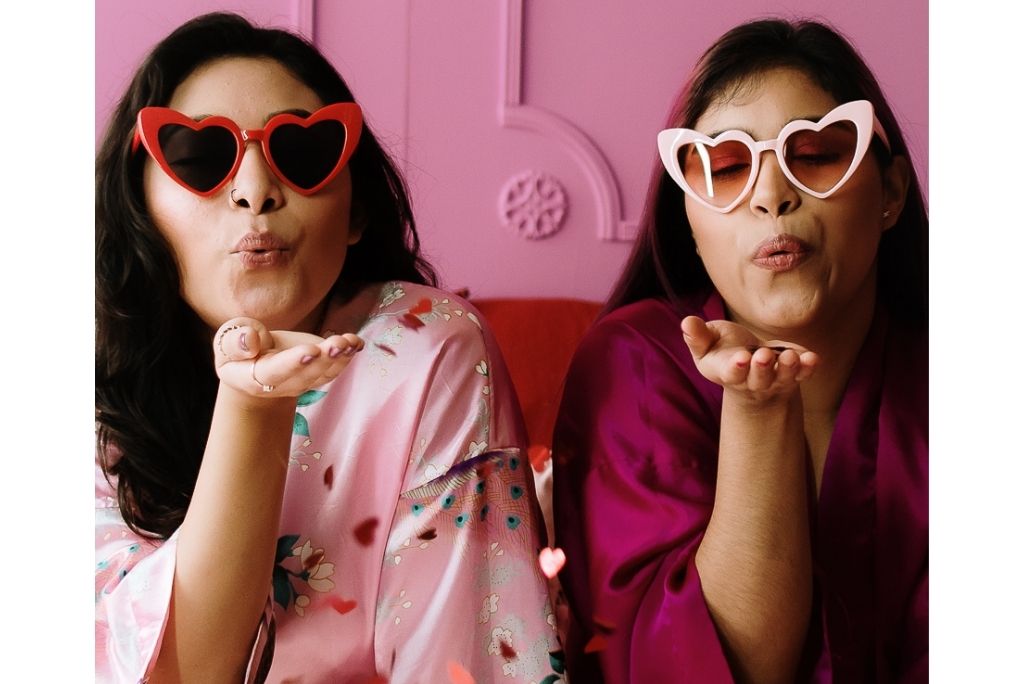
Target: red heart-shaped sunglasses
{"type": "Point", "coordinates": [201, 156]}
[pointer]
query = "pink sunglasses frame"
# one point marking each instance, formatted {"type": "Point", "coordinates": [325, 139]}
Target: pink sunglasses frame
{"type": "Point", "coordinates": [151, 119]}
{"type": "Point", "coordinates": [859, 112]}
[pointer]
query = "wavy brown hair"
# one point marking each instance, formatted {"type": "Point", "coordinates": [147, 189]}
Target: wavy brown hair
{"type": "Point", "coordinates": [155, 381]}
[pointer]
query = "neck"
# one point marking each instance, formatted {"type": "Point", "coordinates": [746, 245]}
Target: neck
{"type": "Point", "coordinates": [350, 316]}
{"type": "Point", "coordinates": [837, 345]}
{"type": "Point", "coordinates": [837, 341]}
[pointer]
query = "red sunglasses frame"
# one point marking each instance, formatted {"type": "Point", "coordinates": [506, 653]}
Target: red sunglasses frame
{"type": "Point", "coordinates": [151, 119]}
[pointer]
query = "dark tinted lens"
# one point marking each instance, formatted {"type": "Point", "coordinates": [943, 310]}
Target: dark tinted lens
{"type": "Point", "coordinates": [820, 159]}
{"type": "Point", "coordinates": [306, 156]}
{"type": "Point", "coordinates": [718, 174]}
{"type": "Point", "coordinates": [201, 159]}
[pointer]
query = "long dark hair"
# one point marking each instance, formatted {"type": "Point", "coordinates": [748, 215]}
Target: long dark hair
{"type": "Point", "coordinates": [155, 382]}
{"type": "Point", "coordinates": [664, 260]}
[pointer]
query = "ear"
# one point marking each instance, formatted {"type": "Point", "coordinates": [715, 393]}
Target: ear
{"type": "Point", "coordinates": [357, 222]}
{"type": "Point", "coordinates": [895, 181]}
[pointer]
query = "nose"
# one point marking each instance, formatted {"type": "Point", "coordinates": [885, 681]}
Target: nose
{"type": "Point", "coordinates": [255, 187]}
{"type": "Point", "coordinates": [772, 195]}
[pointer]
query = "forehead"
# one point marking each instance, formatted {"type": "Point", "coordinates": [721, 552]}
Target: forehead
{"type": "Point", "coordinates": [764, 103]}
{"type": "Point", "coordinates": [246, 89]}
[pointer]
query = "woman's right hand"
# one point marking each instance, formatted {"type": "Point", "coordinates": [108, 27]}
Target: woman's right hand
{"type": "Point", "coordinates": [729, 355]}
{"type": "Point", "coordinates": [249, 358]}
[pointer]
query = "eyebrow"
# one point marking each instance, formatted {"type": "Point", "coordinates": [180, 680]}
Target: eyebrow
{"type": "Point", "coordinates": [297, 112]}
{"type": "Point", "coordinates": [812, 119]}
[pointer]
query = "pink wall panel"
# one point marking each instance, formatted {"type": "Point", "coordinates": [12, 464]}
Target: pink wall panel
{"type": "Point", "coordinates": [512, 116]}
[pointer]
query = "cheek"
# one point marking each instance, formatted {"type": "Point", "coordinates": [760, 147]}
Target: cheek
{"type": "Point", "coordinates": [716, 243]}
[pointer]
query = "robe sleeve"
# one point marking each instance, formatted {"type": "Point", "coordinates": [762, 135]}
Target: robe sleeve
{"type": "Point", "coordinates": [134, 575]}
{"type": "Point", "coordinates": [635, 458]}
{"type": "Point", "coordinates": [134, 578]}
{"type": "Point", "coordinates": [460, 585]}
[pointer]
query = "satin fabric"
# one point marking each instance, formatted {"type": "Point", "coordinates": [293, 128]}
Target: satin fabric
{"type": "Point", "coordinates": [635, 461]}
{"type": "Point", "coordinates": [442, 576]}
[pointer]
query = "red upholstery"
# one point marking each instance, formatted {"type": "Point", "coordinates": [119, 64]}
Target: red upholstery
{"type": "Point", "coordinates": [538, 338]}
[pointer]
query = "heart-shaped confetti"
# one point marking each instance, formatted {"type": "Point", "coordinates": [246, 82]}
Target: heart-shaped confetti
{"type": "Point", "coordinates": [366, 530]}
{"type": "Point", "coordinates": [458, 675]}
{"type": "Point", "coordinates": [551, 561]}
{"type": "Point", "coordinates": [422, 307]}
{"type": "Point", "coordinates": [341, 605]}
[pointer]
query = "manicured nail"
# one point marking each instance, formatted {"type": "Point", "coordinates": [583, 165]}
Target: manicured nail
{"type": "Point", "coordinates": [241, 342]}
{"type": "Point", "coordinates": [308, 358]}
{"type": "Point", "coordinates": [333, 353]}
{"type": "Point", "coordinates": [349, 351]}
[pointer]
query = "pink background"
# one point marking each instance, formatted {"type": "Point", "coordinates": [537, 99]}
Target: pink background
{"type": "Point", "coordinates": [474, 96]}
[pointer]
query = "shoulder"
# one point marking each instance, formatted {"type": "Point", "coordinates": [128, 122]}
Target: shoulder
{"type": "Point", "coordinates": [649, 328]}
{"type": "Point", "coordinates": [420, 320]}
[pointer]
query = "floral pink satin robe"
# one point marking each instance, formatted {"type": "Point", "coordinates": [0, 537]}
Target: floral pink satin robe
{"type": "Point", "coordinates": [384, 566]}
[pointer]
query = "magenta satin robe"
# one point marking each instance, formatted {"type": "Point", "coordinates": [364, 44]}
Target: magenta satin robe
{"type": "Point", "coordinates": [636, 451]}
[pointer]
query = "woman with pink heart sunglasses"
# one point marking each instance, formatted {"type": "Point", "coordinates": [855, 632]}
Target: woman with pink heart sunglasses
{"type": "Point", "coordinates": [308, 457]}
{"type": "Point", "coordinates": [746, 499]}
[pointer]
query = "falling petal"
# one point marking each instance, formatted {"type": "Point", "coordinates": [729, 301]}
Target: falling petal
{"type": "Point", "coordinates": [386, 349]}
{"type": "Point", "coordinates": [412, 322]}
{"type": "Point", "coordinates": [313, 559]}
{"type": "Point", "coordinates": [427, 534]}
{"type": "Point", "coordinates": [458, 675]}
{"type": "Point", "coordinates": [366, 530]}
{"type": "Point", "coordinates": [596, 643]}
{"type": "Point", "coordinates": [507, 652]}
{"type": "Point", "coordinates": [422, 307]}
{"type": "Point", "coordinates": [329, 476]}
{"type": "Point", "coordinates": [539, 456]}
{"type": "Point", "coordinates": [604, 625]}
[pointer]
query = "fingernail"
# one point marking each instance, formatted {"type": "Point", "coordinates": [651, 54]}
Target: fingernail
{"type": "Point", "coordinates": [349, 351]}
{"type": "Point", "coordinates": [241, 342]}
{"type": "Point", "coordinates": [333, 353]}
{"type": "Point", "coordinates": [306, 359]}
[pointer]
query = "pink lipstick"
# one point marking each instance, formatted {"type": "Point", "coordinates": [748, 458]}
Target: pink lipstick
{"type": "Point", "coordinates": [781, 253]}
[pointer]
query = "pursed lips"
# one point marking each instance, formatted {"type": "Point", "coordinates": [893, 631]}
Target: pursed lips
{"type": "Point", "coordinates": [780, 253]}
{"type": "Point", "coordinates": [259, 243]}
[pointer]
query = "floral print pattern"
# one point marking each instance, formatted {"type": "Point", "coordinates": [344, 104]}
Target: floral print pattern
{"type": "Point", "coordinates": [442, 571]}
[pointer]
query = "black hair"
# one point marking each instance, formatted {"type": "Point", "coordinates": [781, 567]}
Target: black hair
{"type": "Point", "coordinates": [664, 261]}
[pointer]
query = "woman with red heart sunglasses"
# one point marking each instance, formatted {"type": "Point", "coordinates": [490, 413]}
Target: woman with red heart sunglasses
{"type": "Point", "coordinates": [748, 500]}
{"type": "Point", "coordinates": [308, 460]}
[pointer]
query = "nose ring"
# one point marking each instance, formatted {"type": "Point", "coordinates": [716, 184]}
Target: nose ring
{"type": "Point", "coordinates": [232, 196]}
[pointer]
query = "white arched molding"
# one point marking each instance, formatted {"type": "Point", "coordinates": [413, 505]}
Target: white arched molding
{"type": "Point", "coordinates": [513, 113]}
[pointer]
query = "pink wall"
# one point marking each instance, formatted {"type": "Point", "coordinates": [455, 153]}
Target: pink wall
{"type": "Point", "coordinates": [512, 118]}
